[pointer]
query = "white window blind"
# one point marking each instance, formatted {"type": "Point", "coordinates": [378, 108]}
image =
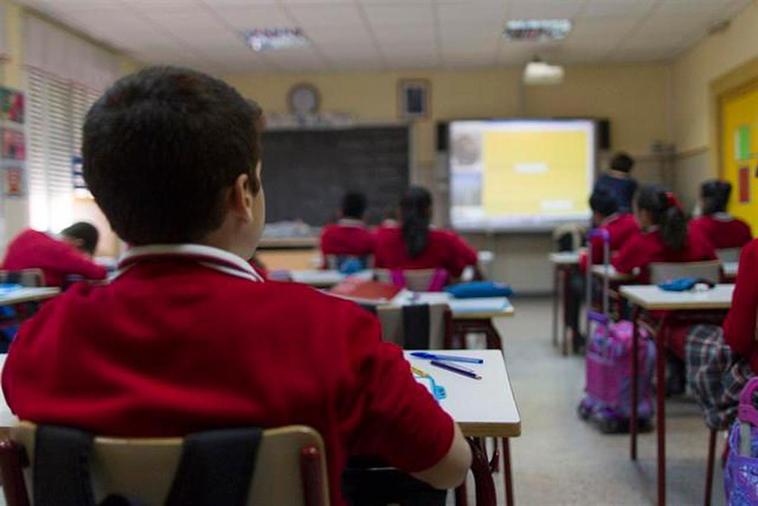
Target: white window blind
{"type": "Point", "coordinates": [60, 91]}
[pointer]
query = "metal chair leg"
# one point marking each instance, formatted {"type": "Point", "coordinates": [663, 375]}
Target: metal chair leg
{"type": "Point", "coordinates": [710, 466]}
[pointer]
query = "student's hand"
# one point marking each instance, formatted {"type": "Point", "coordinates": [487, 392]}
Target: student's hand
{"type": "Point", "coordinates": [451, 471]}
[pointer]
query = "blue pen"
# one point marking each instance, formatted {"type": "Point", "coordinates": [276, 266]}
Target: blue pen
{"type": "Point", "coordinates": [456, 369]}
{"type": "Point", "coordinates": [446, 358]}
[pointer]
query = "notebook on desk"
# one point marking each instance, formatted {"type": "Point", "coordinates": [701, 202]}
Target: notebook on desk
{"type": "Point", "coordinates": [482, 305]}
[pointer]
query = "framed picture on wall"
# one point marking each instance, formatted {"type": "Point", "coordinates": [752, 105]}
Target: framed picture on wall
{"type": "Point", "coordinates": [414, 101]}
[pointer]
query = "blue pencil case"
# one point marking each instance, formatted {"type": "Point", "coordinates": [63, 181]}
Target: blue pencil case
{"type": "Point", "coordinates": [684, 284]}
{"type": "Point", "coordinates": [476, 289]}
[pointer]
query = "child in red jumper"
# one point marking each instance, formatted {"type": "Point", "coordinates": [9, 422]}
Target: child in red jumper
{"type": "Point", "coordinates": [664, 236]}
{"type": "Point", "coordinates": [349, 236]}
{"type": "Point", "coordinates": [721, 228]}
{"type": "Point", "coordinates": [59, 259]}
{"type": "Point", "coordinates": [188, 337]}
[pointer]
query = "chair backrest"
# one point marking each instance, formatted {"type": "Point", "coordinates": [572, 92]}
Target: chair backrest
{"type": "Point", "coordinates": [32, 278]}
{"type": "Point", "coordinates": [420, 326]}
{"type": "Point", "coordinates": [338, 262]}
{"type": "Point", "coordinates": [415, 280]}
{"type": "Point", "coordinates": [662, 272]}
{"type": "Point", "coordinates": [729, 254]}
{"type": "Point", "coordinates": [290, 469]}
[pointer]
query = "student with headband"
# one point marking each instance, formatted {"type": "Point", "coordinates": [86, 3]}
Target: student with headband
{"type": "Point", "coordinates": [664, 237]}
{"type": "Point", "coordinates": [721, 228]}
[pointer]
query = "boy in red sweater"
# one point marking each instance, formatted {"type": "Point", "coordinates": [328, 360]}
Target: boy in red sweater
{"type": "Point", "coordinates": [721, 228]}
{"type": "Point", "coordinates": [58, 259]}
{"type": "Point", "coordinates": [349, 236]}
{"type": "Point", "coordinates": [188, 337]}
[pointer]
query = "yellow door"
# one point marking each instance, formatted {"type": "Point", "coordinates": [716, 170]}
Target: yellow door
{"type": "Point", "coordinates": [739, 152]}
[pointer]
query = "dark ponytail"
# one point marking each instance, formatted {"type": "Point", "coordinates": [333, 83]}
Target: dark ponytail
{"type": "Point", "coordinates": [416, 214]}
{"type": "Point", "coordinates": [667, 213]}
{"type": "Point", "coordinates": [715, 196]}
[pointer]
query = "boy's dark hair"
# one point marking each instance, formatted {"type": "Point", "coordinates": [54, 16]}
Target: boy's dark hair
{"type": "Point", "coordinates": [161, 147]}
{"type": "Point", "coordinates": [86, 233]}
{"type": "Point", "coordinates": [416, 215]}
{"type": "Point", "coordinates": [354, 205]}
{"type": "Point", "coordinates": [715, 195]}
{"type": "Point", "coordinates": [622, 162]}
{"type": "Point", "coordinates": [603, 201]}
{"type": "Point", "coordinates": [666, 213]}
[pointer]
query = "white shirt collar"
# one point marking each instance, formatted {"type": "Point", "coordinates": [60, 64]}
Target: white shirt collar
{"type": "Point", "coordinates": [208, 256]}
{"type": "Point", "coordinates": [722, 216]}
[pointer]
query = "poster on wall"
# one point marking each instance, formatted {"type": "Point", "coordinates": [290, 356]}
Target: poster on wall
{"type": "Point", "coordinates": [744, 185]}
{"type": "Point", "coordinates": [14, 184]}
{"type": "Point", "coordinates": [12, 143]}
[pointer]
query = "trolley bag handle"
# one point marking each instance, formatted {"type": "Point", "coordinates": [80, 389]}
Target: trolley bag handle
{"type": "Point", "coordinates": [606, 238]}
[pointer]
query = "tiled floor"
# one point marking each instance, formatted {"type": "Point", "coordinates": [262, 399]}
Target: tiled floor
{"type": "Point", "coordinates": [560, 460]}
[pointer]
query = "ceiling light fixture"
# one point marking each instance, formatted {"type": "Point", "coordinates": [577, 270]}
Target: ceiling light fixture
{"type": "Point", "coordinates": [275, 38]}
{"type": "Point", "coordinates": [537, 30]}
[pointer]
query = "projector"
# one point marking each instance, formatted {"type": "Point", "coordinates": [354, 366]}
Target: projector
{"type": "Point", "coordinates": [539, 73]}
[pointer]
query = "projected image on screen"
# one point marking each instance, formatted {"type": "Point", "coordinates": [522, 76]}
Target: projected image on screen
{"type": "Point", "coordinates": [520, 175]}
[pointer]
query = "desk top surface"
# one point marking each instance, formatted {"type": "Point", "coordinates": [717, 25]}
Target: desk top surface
{"type": "Point", "coordinates": [653, 298]}
{"type": "Point", "coordinates": [565, 258]}
{"type": "Point", "coordinates": [28, 295]}
{"type": "Point", "coordinates": [482, 408]}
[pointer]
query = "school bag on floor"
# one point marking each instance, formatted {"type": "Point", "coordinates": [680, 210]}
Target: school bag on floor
{"type": "Point", "coordinates": [609, 366]}
{"type": "Point", "coordinates": [741, 471]}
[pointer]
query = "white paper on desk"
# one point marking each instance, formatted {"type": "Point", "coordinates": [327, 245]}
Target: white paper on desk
{"type": "Point", "coordinates": [478, 305]}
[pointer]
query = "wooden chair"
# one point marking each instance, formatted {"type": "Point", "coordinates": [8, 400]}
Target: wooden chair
{"type": "Point", "coordinates": [663, 271]}
{"type": "Point", "coordinates": [729, 254]}
{"type": "Point", "coordinates": [30, 278]}
{"type": "Point", "coordinates": [415, 280]}
{"type": "Point", "coordinates": [290, 468]}
{"type": "Point", "coordinates": [423, 326]}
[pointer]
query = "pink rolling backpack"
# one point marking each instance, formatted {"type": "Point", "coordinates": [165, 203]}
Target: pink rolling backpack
{"type": "Point", "coordinates": [609, 367]}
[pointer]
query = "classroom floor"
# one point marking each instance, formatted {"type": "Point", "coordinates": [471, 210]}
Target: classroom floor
{"type": "Point", "coordinates": [560, 460]}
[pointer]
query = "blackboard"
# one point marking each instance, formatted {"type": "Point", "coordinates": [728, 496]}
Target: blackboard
{"type": "Point", "coordinates": [306, 172]}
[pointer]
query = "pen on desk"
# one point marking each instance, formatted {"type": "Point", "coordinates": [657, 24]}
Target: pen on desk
{"type": "Point", "coordinates": [456, 369]}
{"type": "Point", "coordinates": [419, 372]}
{"type": "Point", "coordinates": [447, 358]}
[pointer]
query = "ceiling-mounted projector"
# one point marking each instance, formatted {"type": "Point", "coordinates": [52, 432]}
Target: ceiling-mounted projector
{"type": "Point", "coordinates": [539, 73]}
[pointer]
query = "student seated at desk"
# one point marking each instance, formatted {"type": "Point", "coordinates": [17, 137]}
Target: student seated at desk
{"type": "Point", "coordinates": [59, 259]}
{"type": "Point", "coordinates": [619, 181]}
{"type": "Point", "coordinates": [664, 236]}
{"type": "Point", "coordinates": [349, 236]}
{"type": "Point", "coordinates": [722, 229]}
{"type": "Point", "coordinates": [416, 245]}
{"type": "Point", "coordinates": [188, 337]}
{"type": "Point", "coordinates": [620, 226]}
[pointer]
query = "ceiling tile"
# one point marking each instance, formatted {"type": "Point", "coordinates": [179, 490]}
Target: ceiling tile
{"type": "Point", "coordinates": [551, 9]}
{"type": "Point", "coordinates": [246, 18]}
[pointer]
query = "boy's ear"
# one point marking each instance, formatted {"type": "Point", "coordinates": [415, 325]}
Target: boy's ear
{"type": "Point", "coordinates": [241, 196]}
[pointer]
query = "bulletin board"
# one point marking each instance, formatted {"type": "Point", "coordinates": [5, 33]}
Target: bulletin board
{"type": "Point", "coordinates": [739, 150]}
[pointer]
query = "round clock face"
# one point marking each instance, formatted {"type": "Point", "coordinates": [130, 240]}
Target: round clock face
{"type": "Point", "coordinates": [304, 99]}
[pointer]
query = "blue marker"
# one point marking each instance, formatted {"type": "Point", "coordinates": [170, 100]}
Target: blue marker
{"type": "Point", "coordinates": [445, 358]}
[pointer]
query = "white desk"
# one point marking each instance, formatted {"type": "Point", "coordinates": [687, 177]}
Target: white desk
{"type": "Point", "coordinates": [652, 298]}
{"type": "Point", "coordinates": [655, 300]}
{"type": "Point", "coordinates": [318, 278]}
{"type": "Point", "coordinates": [7, 419]}
{"type": "Point", "coordinates": [564, 258]}
{"type": "Point", "coordinates": [482, 408]}
{"type": "Point", "coordinates": [730, 269]}
{"type": "Point", "coordinates": [611, 273]}
{"type": "Point", "coordinates": [23, 295]}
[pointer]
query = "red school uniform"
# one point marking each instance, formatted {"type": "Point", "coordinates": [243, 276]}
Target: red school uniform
{"type": "Point", "coordinates": [620, 228]}
{"type": "Point", "coordinates": [723, 230]}
{"type": "Point", "coordinates": [740, 331]}
{"type": "Point", "coordinates": [445, 250]}
{"type": "Point", "coordinates": [36, 250]}
{"type": "Point", "coordinates": [347, 237]}
{"type": "Point", "coordinates": [188, 338]}
{"type": "Point", "coordinates": [645, 248]}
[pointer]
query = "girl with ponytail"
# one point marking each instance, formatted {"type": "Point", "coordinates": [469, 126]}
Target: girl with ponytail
{"type": "Point", "coordinates": [722, 229]}
{"type": "Point", "coordinates": [415, 244]}
{"type": "Point", "coordinates": [664, 237]}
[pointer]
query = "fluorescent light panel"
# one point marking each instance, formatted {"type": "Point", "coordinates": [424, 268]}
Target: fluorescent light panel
{"type": "Point", "coordinates": [537, 30]}
{"type": "Point", "coordinates": [275, 38]}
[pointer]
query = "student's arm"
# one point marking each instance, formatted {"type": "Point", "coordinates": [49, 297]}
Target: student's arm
{"type": "Point", "coordinates": [740, 324]}
{"type": "Point", "coordinates": [60, 257]}
{"type": "Point", "coordinates": [393, 417]}
{"type": "Point", "coordinates": [462, 255]}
